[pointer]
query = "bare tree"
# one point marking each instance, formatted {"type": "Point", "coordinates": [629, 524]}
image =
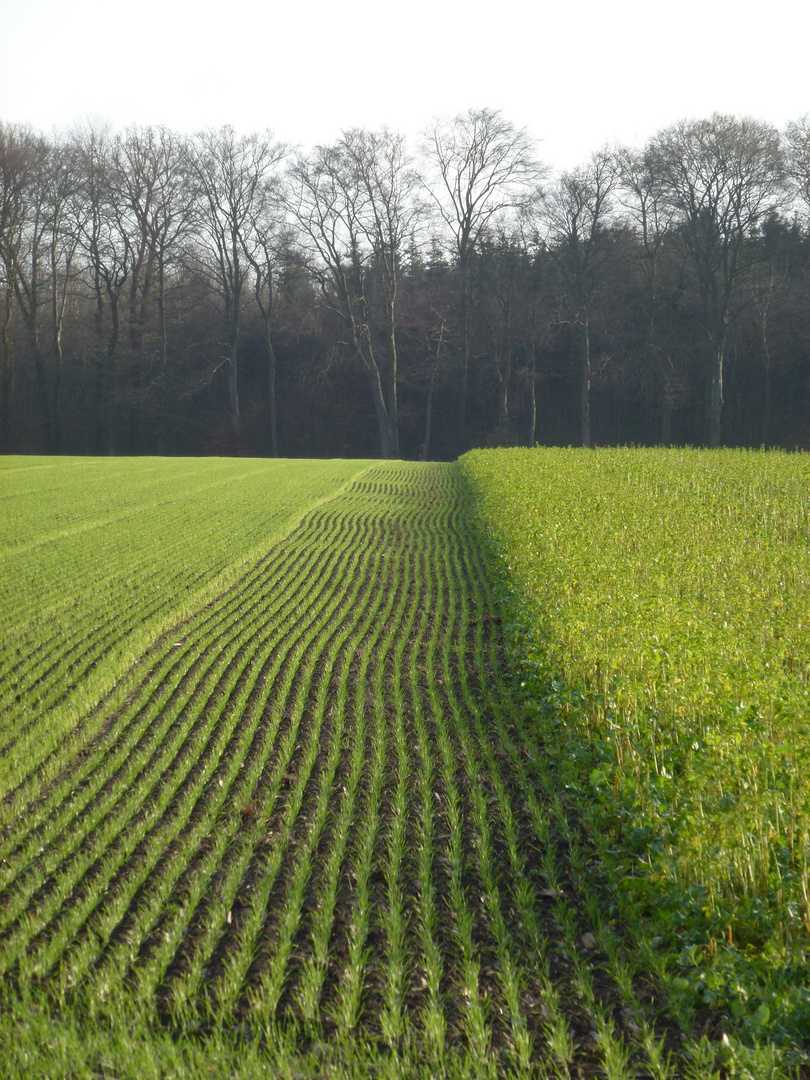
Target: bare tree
{"type": "Point", "coordinates": [66, 217]}
{"type": "Point", "coordinates": [576, 214]}
{"type": "Point", "coordinates": [13, 179]}
{"type": "Point", "coordinates": [719, 178]}
{"type": "Point", "coordinates": [151, 174]}
{"type": "Point", "coordinates": [231, 174]}
{"type": "Point", "coordinates": [354, 202]}
{"type": "Point", "coordinates": [650, 217]}
{"type": "Point", "coordinates": [535, 317]}
{"type": "Point", "coordinates": [480, 168]}
{"type": "Point", "coordinates": [43, 265]}
{"type": "Point", "coordinates": [385, 177]}
{"type": "Point", "coordinates": [427, 322]}
{"type": "Point", "coordinates": [267, 255]}
{"type": "Point", "coordinates": [106, 242]}
{"type": "Point", "coordinates": [797, 158]}
{"type": "Point", "coordinates": [503, 271]}
{"type": "Point", "coordinates": [23, 249]}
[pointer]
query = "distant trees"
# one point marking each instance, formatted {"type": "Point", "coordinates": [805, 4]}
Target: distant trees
{"type": "Point", "coordinates": [797, 159]}
{"type": "Point", "coordinates": [719, 177]}
{"type": "Point", "coordinates": [659, 344]}
{"type": "Point", "coordinates": [232, 175]}
{"type": "Point", "coordinates": [480, 170]}
{"type": "Point", "coordinates": [13, 183]}
{"type": "Point", "coordinates": [576, 214]}
{"type": "Point", "coordinates": [175, 293]}
{"type": "Point", "coordinates": [153, 175]}
{"type": "Point", "coordinates": [266, 258]}
{"type": "Point", "coordinates": [354, 204]}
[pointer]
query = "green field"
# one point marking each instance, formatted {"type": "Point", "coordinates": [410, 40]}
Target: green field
{"type": "Point", "coordinates": [660, 607]}
{"type": "Point", "coordinates": [99, 555]}
{"type": "Point", "coordinates": [273, 803]}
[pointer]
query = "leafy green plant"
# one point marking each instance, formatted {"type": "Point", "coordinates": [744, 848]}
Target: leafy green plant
{"type": "Point", "coordinates": [657, 605]}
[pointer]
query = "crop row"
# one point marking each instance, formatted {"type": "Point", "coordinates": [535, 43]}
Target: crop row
{"type": "Point", "coordinates": [317, 806]}
{"type": "Point", "coordinates": [97, 557]}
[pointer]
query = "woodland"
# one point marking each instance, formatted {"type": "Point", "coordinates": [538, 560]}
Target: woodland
{"type": "Point", "coordinates": [220, 293]}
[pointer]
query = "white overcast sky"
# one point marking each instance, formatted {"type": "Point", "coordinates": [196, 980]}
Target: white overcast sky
{"type": "Point", "coordinates": [576, 75]}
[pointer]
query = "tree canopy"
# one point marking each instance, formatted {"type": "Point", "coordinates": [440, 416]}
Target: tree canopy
{"type": "Point", "coordinates": [218, 293]}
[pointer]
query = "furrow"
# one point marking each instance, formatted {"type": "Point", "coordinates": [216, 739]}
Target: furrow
{"type": "Point", "coordinates": [177, 658]}
{"type": "Point", "coordinates": [264, 797]}
{"type": "Point", "coordinates": [180, 665]}
{"type": "Point", "coordinates": [133, 796]}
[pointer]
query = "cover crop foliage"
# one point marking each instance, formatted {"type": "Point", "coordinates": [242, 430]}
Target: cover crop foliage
{"type": "Point", "coordinates": [660, 608]}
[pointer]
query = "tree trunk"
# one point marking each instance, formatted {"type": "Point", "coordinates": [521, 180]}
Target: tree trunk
{"type": "Point", "coordinates": [271, 389]}
{"type": "Point", "coordinates": [387, 439]}
{"type": "Point", "coordinates": [361, 340]}
{"type": "Point", "coordinates": [5, 408]}
{"type": "Point", "coordinates": [163, 417]}
{"type": "Point", "coordinates": [503, 409]}
{"type": "Point", "coordinates": [58, 305]}
{"type": "Point", "coordinates": [532, 399]}
{"type": "Point", "coordinates": [56, 399]}
{"type": "Point", "coordinates": [666, 422]}
{"type": "Point", "coordinates": [112, 446]}
{"type": "Point", "coordinates": [43, 394]}
{"type": "Point", "coordinates": [100, 406]}
{"type": "Point", "coordinates": [6, 371]}
{"type": "Point", "coordinates": [585, 385]}
{"type": "Point", "coordinates": [716, 405]}
{"type": "Point", "coordinates": [232, 358]}
{"type": "Point", "coordinates": [505, 373]}
{"type": "Point", "coordinates": [466, 333]}
{"type": "Point", "coordinates": [428, 419]}
{"type": "Point", "coordinates": [766, 414]}
{"type": "Point", "coordinates": [393, 409]}
{"type": "Point", "coordinates": [233, 388]}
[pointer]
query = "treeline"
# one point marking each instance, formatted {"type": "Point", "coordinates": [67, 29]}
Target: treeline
{"type": "Point", "coordinates": [220, 293]}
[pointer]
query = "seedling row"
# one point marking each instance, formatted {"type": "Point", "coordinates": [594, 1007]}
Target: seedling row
{"type": "Point", "coordinates": [97, 556]}
{"type": "Point", "coordinates": [316, 811]}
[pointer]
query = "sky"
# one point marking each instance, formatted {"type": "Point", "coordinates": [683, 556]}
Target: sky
{"type": "Point", "coordinates": [577, 76]}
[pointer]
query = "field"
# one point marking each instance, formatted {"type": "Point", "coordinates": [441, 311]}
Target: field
{"type": "Point", "coordinates": [660, 604]}
{"type": "Point", "coordinates": [271, 804]}
{"type": "Point", "coordinates": [98, 556]}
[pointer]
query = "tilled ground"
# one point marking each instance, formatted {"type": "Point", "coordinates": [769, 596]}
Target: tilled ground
{"type": "Point", "coordinates": [319, 810]}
